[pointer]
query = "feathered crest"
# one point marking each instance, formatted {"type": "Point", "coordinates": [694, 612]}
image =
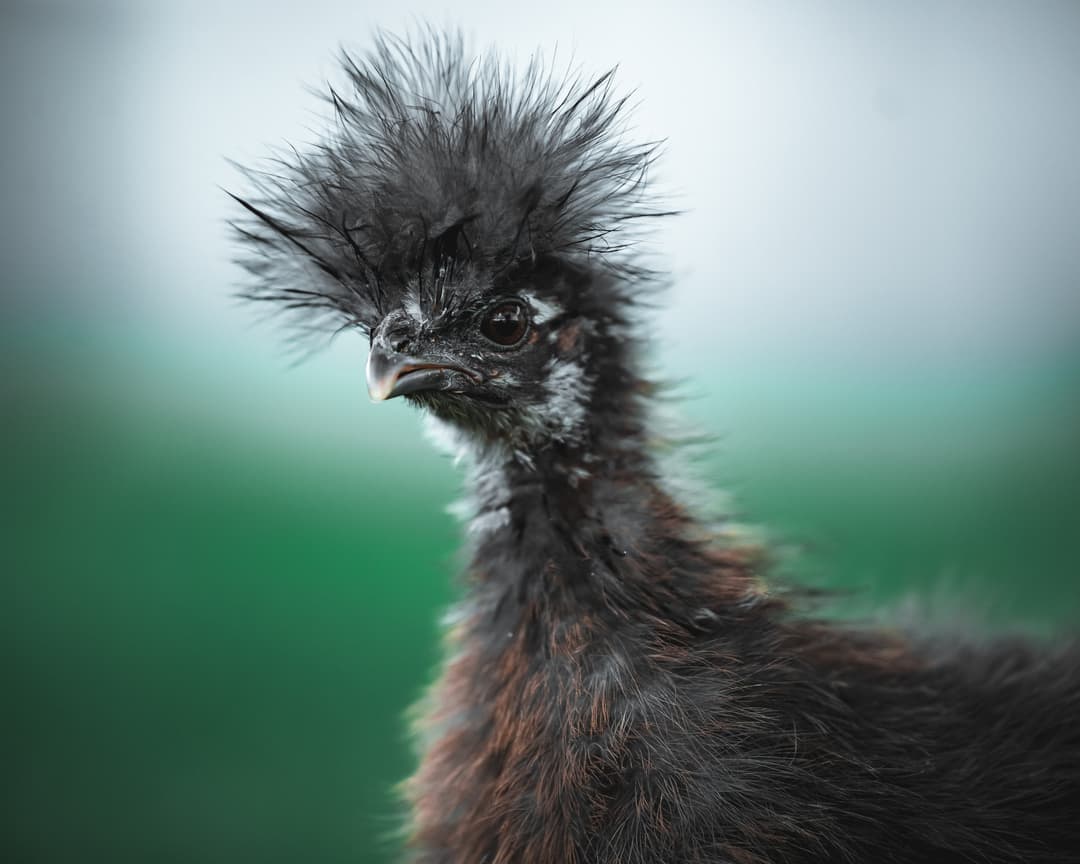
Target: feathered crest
{"type": "Point", "coordinates": [436, 159]}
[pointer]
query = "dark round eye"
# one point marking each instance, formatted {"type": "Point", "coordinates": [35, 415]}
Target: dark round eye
{"type": "Point", "coordinates": [506, 324]}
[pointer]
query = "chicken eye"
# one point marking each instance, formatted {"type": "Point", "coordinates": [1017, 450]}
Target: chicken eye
{"type": "Point", "coordinates": [506, 324]}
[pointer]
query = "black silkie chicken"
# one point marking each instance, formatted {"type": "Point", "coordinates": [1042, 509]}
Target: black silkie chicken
{"type": "Point", "coordinates": [620, 685]}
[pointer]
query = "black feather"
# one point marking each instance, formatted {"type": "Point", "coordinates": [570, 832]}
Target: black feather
{"type": "Point", "coordinates": [430, 145]}
{"type": "Point", "coordinates": [621, 686]}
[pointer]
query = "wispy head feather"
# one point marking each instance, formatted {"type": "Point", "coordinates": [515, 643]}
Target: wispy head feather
{"type": "Point", "coordinates": [437, 158]}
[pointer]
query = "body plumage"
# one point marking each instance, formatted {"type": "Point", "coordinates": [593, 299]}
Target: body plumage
{"type": "Point", "coordinates": [620, 684]}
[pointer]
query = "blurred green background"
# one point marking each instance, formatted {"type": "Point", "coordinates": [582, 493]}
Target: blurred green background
{"type": "Point", "coordinates": [224, 570]}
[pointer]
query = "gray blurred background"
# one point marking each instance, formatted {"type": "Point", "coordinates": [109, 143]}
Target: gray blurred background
{"type": "Point", "coordinates": [223, 570]}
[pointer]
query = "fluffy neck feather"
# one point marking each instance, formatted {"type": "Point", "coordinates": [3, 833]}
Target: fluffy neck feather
{"type": "Point", "coordinates": [588, 528]}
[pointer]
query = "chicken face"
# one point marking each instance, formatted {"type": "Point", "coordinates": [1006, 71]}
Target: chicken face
{"type": "Point", "coordinates": [479, 223]}
{"type": "Point", "coordinates": [505, 358]}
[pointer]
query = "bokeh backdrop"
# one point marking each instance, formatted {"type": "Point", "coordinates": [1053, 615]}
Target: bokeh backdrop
{"type": "Point", "coordinates": [222, 570]}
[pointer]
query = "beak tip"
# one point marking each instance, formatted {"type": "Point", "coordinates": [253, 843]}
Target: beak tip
{"type": "Point", "coordinates": [379, 384]}
{"type": "Point", "coordinates": [377, 393]}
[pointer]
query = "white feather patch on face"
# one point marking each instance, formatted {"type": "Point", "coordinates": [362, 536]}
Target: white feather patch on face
{"type": "Point", "coordinates": [562, 415]}
{"type": "Point", "coordinates": [411, 305]}
{"type": "Point", "coordinates": [542, 310]}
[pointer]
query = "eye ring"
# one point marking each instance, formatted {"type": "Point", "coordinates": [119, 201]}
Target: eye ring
{"type": "Point", "coordinates": [506, 323]}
